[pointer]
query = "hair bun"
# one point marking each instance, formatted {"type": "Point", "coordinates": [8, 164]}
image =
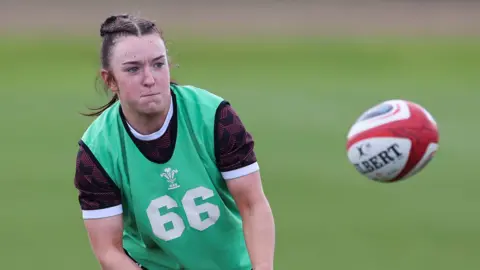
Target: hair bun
{"type": "Point", "coordinates": [107, 25]}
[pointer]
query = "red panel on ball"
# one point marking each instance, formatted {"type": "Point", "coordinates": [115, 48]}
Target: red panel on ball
{"type": "Point", "coordinates": [421, 132]}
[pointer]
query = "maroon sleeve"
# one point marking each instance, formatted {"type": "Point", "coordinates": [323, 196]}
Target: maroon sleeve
{"type": "Point", "coordinates": [96, 189]}
{"type": "Point", "coordinates": [234, 145]}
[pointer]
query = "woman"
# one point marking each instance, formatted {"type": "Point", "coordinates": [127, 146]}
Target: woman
{"type": "Point", "coordinates": [167, 175]}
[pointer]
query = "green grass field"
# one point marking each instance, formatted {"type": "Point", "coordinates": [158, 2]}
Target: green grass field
{"type": "Point", "coordinates": [327, 215]}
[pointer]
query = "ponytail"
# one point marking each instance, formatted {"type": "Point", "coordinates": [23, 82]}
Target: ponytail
{"type": "Point", "coordinates": [99, 110]}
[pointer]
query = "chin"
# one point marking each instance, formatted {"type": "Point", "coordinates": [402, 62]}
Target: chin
{"type": "Point", "coordinates": [151, 108]}
{"type": "Point", "coordinates": [152, 105]}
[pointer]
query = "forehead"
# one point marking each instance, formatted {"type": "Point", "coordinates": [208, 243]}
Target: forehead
{"type": "Point", "coordinates": [133, 47]}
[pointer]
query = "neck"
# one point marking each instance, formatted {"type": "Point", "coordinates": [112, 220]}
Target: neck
{"type": "Point", "coordinates": [146, 124]}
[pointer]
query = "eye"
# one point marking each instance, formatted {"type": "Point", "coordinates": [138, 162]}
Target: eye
{"type": "Point", "coordinates": [132, 69]}
{"type": "Point", "coordinates": [159, 65]}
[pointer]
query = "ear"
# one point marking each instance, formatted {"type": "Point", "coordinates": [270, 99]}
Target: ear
{"type": "Point", "coordinates": [109, 80]}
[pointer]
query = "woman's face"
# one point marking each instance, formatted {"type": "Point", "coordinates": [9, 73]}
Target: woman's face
{"type": "Point", "coordinates": [142, 75]}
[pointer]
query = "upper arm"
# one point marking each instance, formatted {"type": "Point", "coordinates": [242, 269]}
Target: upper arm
{"type": "Point", "coordinates": [234, 145]}
{"type": "Point", "coordinates": [100, 202]}
{"type": "Point", "coordinates": [236, 158]}
{"type": "Point", "coordinates": [98, 195]}
{"type": "Point", "coordinates": [247, 191]}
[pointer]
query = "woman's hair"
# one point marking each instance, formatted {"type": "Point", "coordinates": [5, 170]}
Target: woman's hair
{"type": "Point", "coordinates": [111, 29]}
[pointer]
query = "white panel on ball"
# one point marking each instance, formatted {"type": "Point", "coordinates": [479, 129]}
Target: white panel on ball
{"type": "Point", "coordinates": [381, 158]}
{"type": "Point", "coordinates": [400, 112]}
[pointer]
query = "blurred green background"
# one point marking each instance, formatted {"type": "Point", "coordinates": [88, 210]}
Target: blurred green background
{"type": "Point", "coordinates": [298, 94]}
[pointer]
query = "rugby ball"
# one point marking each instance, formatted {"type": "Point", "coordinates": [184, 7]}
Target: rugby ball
{"type": "Point", "coordinates": [392, 141]}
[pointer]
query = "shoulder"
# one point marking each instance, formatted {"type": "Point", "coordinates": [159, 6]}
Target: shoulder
{"type": "Point", "coordinates": [193, 95]}
{"type": "Point", "coordinates": [200, 106]}
{"type": "Point", "coordinates": [101, 142]}
{"type": "Point", "coordinates": [225, 114]}
{"type": "Point", "coordinates": [103, 123]}
{"type": "Point", "coordinates": [102, 132]}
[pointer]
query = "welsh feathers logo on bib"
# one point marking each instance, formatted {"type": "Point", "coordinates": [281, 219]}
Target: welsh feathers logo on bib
{"type": "Point", "coordinates": [169, 175]}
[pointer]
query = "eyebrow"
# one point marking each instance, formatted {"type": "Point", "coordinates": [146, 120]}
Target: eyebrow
{"type": "Point", "coordinates": [138, 62]}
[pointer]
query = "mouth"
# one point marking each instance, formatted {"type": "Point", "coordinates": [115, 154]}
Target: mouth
{"type": "Point", "coordinates": [151, 94]}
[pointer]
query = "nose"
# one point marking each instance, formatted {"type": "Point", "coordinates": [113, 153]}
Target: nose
{"type": "Point", "coordinates": [148, 79]}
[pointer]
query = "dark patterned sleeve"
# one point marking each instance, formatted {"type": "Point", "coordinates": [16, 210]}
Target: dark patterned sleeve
{"type": "Point", "coordinates": [234, 145]}
{"type": "Point", "coordinates": [96, 190]}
